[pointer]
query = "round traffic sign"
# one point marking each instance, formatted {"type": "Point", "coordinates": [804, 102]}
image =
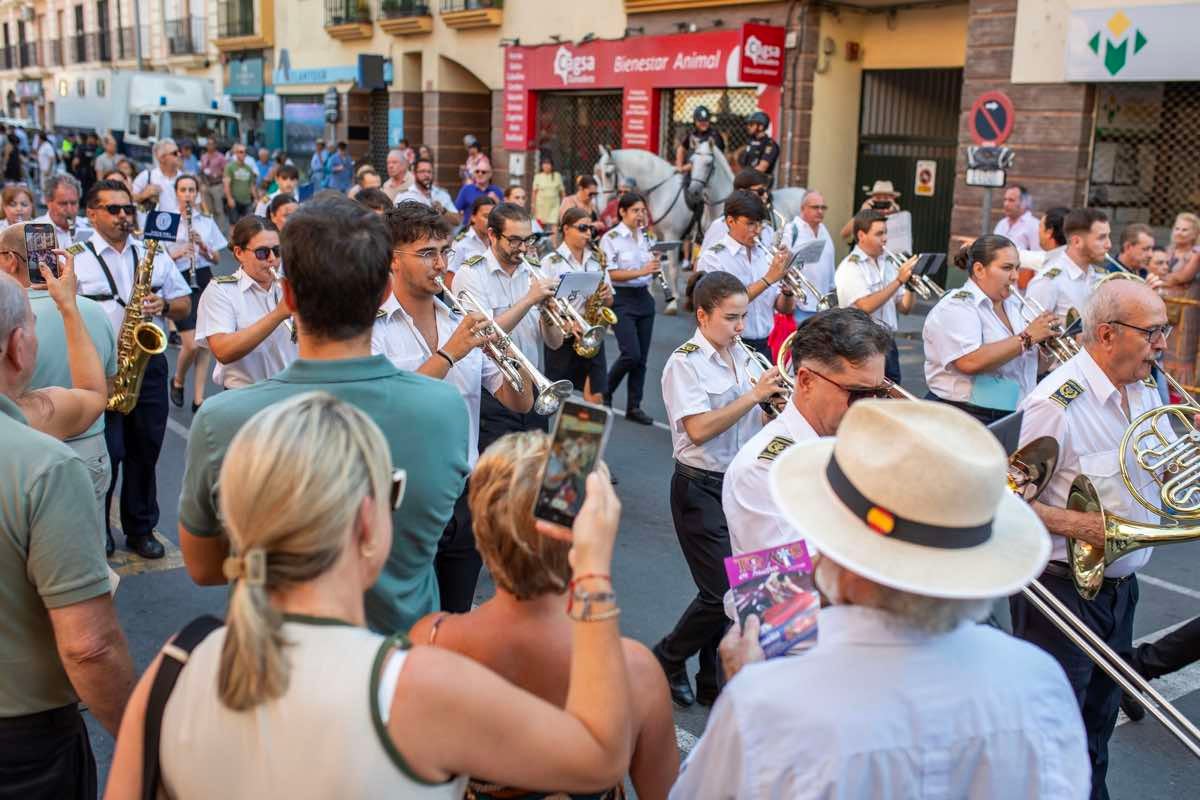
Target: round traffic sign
{"type": "Point", "coordinates": [991, 118]}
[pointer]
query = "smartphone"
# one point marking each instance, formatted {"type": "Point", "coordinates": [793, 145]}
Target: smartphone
{"type": "Point", "coordinates": [580, 434]}
{"type": "Point", "coordinates": [40, 243]}
{"type": "Point", "coordinates": [881, 205]}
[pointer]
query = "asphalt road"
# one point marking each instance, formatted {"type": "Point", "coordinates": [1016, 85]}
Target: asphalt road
{"type": "Point", "coordinates": [155, 599]}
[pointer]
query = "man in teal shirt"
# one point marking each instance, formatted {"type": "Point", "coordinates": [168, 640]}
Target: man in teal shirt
{"type": "Point", "coordinates": [338, 256]}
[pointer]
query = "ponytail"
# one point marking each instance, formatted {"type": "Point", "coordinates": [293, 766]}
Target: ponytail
{"type": "Point", "coordinates": [253, 667]}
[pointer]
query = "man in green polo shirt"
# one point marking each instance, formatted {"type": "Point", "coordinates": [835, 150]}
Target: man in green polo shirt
{"type": "Point", "coordinates": [338, 255]}
{"type": "Point", "coordinates": [240, 178]}
{"type": "Point", "coordinates": [60, 641]}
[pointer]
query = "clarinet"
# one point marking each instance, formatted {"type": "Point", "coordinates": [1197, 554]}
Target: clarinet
{"type": "Point", "coordinates": [192, 256]}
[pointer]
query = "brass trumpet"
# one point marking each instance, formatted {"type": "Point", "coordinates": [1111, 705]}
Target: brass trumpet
{"type": "Point", "coordinates": [1063, 347]}
{"type": "Point", "coordinates": [507, 356]}
{"type": "Point", "coordinates": [758, 364]}
{"type": "Point", "coordinates": [925, 286]}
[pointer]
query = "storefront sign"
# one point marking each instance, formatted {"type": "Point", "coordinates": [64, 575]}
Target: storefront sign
{"type": "Point", "coordinates": [287, 75]}
{"type": "Point", "coordinates": [751, 55]}
{"type": "Point", "coordinates": [1134, 43]}
{"type": "Point", "coordinates": [245, 78]}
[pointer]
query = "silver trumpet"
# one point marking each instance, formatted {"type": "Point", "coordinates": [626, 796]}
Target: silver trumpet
{"type": "Point", "coordinates": [507, 356]}
{"type": "Point", "coordinates": [925, 286]}
{"type": "Point", "coordinates": [1063, 346]}
{"type": "Point", "coordinates": [757, 364]}
{"type": "Point", "coordinates": [562, 314]}
{"type": "Point", "coordinates": [291, 326]}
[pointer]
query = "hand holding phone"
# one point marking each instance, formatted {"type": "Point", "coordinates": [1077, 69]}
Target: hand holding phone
{"type": "Point", "coordinates": [60, 282]}
{"type": "Point", "coordinates": [580, 434]}
{"type": "Point", "coordinates": [40, 243]}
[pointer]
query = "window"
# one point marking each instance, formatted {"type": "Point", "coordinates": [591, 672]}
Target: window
{"type": "Point", "coordinates": [81, 87]}
{"type": "Point", "coordinates": [100, 87]}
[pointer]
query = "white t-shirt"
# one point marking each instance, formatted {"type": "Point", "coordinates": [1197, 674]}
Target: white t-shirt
{"type": "Point", "coordinates": [167, 201]}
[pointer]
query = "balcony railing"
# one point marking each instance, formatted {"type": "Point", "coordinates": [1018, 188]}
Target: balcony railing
{"type": "Point", "coordinates": [398, 9]}
{"type": "Point", "coordinates": [54, 53]}
{"type": "Point", "coordinates": [185, 37]}
{"type": "Point", "coordinates": [79, 48]}
{"type": "Point", "coordinates": [468, 14]}
{"type": "Point", "coordinates": [104, 48]}
{"type": "Point", "coordinates": [346, 12]}
{"type": "Point", "coordinates": [469, 5]}
{"type": "Point", "coordinates": [235, 18]}
{"type": "Point", "coordinates": [27, 55]}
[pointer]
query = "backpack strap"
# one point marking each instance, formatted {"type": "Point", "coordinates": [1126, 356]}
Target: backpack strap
{"type": "Point", "coordinates": [175, 656]}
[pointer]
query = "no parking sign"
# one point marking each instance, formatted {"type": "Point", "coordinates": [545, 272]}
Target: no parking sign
{"type": "Point", "coordinates": [991, 119]}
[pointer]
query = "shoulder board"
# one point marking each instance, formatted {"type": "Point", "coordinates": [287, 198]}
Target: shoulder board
{"type": "Point", "coordinates": [225, 279]}
{"type": "Point", "coordinates": [717, 248]}
{"type": "Point", "coordinates": [775, 447]}
{"type": "Point", "coordinates": [461, 235]}
{"type": "Point", "coordinates": [1064, 394]}
{"type": "Point", "coordinates": [855, 257]}
{"type": "Point", "coordinates": [962, 294]}
{"type": "Point", "coordinates": [555, 258]}
{"type": "Point", "coordinates": [611, 234]}
{"type": "Point", "coordinates": [687, 347]}
{"type": "Point", "coordinates": [380, 314]}
{"type": "Point", "coordinates": [473, 260]}
{"type": "Point", "coordinates": [77, 248]}
{"type": "Point", "coordinates": [1150, 382]}
{"type": "Point", "coordinates": [1053, 272]}
{"type": "Point", "coordinates": [533, 260]}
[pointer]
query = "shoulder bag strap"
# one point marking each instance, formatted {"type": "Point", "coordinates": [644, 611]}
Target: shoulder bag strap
{"type": "Point", "coordinates": [175, 656]}
{"type": "Point", "coordinates": [112, 284]}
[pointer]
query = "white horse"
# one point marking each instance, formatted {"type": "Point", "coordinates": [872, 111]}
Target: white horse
{"type": "Point", "coordinates": [786, 202]}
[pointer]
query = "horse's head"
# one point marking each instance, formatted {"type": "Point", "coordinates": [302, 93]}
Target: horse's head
{"type": "Point", "coordinates": [605, 172]}
{"type": "Point", "coordinates": [702, 161]}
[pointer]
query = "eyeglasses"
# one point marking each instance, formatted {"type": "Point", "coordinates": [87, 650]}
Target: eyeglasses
{"type": "Point", "coordinates": [430, 255]}
{"type": "Point", "coordinates": [854, 394]}
{"type": "Point", "coordinates": [818, 208]}
{"type": "Point", "coordinates": [116, 210]}
{"type": "Point", "coordinates": [752, 224]}
{"type": "Point", "coordinates": [261, 253]}
{"type": "Point", "coordinates": [399, 481]}
{"type": "Point", "coordinates": [761, 192]}
{"type": "Point", "coordinates": [583, 228]}
{"type": "Point", "coordinates": [517, 242]}
{"type": "Point", "coordinates": [172, 153]}
{"type": "Point", "coordinates": [1158, 330]}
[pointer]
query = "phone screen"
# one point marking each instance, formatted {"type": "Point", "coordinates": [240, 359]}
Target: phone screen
{"type": "Point", "coordinates": [881, 205]}
{"type": "Point", "coordinates": [40, 243]}
{"type": "Point", "coordinates": [578, 442]}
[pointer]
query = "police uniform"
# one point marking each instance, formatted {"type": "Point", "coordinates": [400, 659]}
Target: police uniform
{"type": "Point", "coordinates": [105, 275]}
{"type": "Point", "coordinates": [760, 148]}
{"type": "Point", "coordinates": [748, 265]}
{"type": "Point", "coordinates": [564, 363]}
{"type": "Point", "coordinates": [466, 245]}
{"type": "Point", "coordinates": [1078, 406]}
{"type": "Point", "coordinates": [695, 380]}
{"type": "Point", "coordinates": [696, 137]}
{"type": "Point", "coordinates": [232, 303]}
{"type": "Point", "coordinates": [960, 323]}
{"type": "Point", "coordinates": [489, 283]}
{"type": "Point", "coordinates": [798, 233]}
{"type": "Point", "coordinates": [633, 304]}
{"type": "Point", "coordinates": [860, 275]}
{"type": "Point", "coordinates": [1062, 285]}
{"type": "Point", "coordinates": [396, 336]}
{"type": "Point", "coordinates": [215, 241]}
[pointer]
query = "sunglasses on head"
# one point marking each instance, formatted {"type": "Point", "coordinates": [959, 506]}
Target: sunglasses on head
{"type": "Point", "coordinates": [261, 253]}
{"type": "Point", "coordinates": [399, 481]}
{"type": "Point", "coordinates": [116, 209]}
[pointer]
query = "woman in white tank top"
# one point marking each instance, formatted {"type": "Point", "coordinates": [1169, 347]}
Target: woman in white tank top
{"type": "Point", "coordinates": [295, 698]}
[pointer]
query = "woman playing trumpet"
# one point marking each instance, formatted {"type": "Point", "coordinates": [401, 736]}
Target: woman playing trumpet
{"type": "Point", "coordinates": [980, 351]}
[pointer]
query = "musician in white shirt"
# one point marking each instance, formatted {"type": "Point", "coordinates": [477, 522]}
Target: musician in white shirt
{"type": "Point", "coordinates": [1018, 223]}
{"type": "Point", "coordinates": [810, 227]}
{"type": "Point", "coordinates": [473, 240]}
{"type": "Point", "coordinates": [1067, 282]}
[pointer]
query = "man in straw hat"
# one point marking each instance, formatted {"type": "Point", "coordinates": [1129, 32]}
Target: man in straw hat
{"type": "Point", "coordinates": [881, 197]}
{"type": "Point", "coordinates": [903, 692]}
{"type": "Point", "coordinates": [1086, 406]}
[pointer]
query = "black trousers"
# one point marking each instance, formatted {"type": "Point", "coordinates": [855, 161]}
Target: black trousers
{"type": "Point", "coordinates": [1170, 653]}
{"type": "Point", "coordinates": [457, 562]}
{"type": "Point", "coordinates": [134, 441]}
{"type": "Point", "coordinates": [47, 756]}
{"type": "Point", "coordinates": [635, 326]}
{"type": "Point", "coordinates": [704, 538]}
{"type": "Point", "coordinates": [891, 363]}
{"type": "Point", "coordinates": [1110, 616]}
{"type": "Point", "coordinates": [761, 346]}
{"type": "Point", "coordinates": [203, 276]}
{"type": "Point", "coordinates": [564, 364]}
{"type": "Point", "coordinates": [495, 420]}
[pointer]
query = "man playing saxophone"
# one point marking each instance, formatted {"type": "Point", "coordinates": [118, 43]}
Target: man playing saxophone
{"type": "Point", "coordinates": [106, 266]}
{"type": "Point", "coordinates": [1086, 406]}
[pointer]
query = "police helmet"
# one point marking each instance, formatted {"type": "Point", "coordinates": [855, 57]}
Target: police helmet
{"type": "Point", "coordinates": [701, 114]}
{"type": "Point", "coordinates": [759, 118]}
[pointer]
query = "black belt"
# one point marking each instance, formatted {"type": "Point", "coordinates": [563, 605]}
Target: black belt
{"type": "Point", "coordinates": [99, 298]}
{"type": "Point", "coordinates": [62, 719]}
{"type": "Point", "coordinates": [630, 289]}
{"type": "Point", "coordinates": [1058, 569]}
{"type": "Point", "coordinates": [699, 475]}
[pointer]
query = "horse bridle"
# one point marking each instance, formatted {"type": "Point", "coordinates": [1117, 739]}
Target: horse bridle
{"type": "Point", "coordinates": [684, 185]}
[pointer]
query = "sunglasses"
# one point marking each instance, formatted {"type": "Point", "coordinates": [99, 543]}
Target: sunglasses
{"type": "Point", "coordinates": [482, 172]}
{"type": "Point", "coordinates": [854, 394]}
{"type": "Point", "coordinates": [583, 228]}
{"type": "Point", "coordinates": [116, 210]}
{"type": "Point", "coordinates": [261, 253]}
{"type": "Point", "coordinates": [399, 481]}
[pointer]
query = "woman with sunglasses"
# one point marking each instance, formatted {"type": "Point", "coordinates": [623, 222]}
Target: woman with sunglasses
{"type": "Point", "coordinates": [578, 253]}
{"type": "Point", "coordinates": [243, 319]}
{"type": "Point", "coordinates": [713, 403]}
{"type": "Point", "coordinates": [18, 204]}
{"type": "Point", "coordinates": [294, 697]}
{"type": "Point", "coordinates": [981, 351]}
{"type": "Point", "coordinates": [198, 246]}
{"type": "Point", "coordinates": [586, 189]}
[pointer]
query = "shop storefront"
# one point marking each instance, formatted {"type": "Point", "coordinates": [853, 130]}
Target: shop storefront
{"type": "Point", "coordinates": [245, 88]}
{"type": "Point", "coordinates": [639, 92]}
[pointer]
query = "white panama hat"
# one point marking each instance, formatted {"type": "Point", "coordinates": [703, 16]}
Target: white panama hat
{"type": "Point", "coordinates": [913, 495]}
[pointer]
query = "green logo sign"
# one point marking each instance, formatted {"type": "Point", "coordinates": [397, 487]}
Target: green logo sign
{"type": "Point", "coordinates": [1116, 49]}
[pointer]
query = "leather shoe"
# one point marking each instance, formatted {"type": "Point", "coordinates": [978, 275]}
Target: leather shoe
{"type": "Point", "coordinates": [176, 395]}
{"type": "Point", "coordinates": [145, 546]}
{"type": "Point", "coordinates": [1132, 707]}
{"type": "Point", "coordinates": [639, 416]}
{"type": "Point", "coordinates": [706, 695]}
{"type": "Point", "coordinates": [678, 683]}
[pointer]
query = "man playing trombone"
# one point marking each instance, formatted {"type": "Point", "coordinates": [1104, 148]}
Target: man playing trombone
{"type": "Point", "coordinates": [420, 333]}
{"type": "Point", "coordinates": [1086, 406]}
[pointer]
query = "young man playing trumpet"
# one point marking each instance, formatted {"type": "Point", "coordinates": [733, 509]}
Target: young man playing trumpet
{"type": "Point", "coordinates": [418, 332]}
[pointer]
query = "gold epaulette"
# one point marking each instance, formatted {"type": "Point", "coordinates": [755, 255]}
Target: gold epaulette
{"type": "Point", "coordinates": [473, 260]}
{"type": "Point", "coordinates": [1053, 272]}
{"type": "Point", "coordinates": [225, 278]}
{"type": "Point", "coordinates": [1064, 394]}
{"type": "Point", "coordinates": [77, 248]}
{"type": "Point", "coordinates": [687, 347]}
{"type": "Point", "coordinates": [775, 447]}
{"type": "Point", "coordinates": [962, 294]}
{"type": "Point", "coordinates": [380, 314]}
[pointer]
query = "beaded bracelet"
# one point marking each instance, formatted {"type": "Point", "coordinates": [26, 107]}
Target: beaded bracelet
{"type": "Point", "coordinates": [586, 601]}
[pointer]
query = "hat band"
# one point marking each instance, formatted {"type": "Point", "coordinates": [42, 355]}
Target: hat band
{"type": "Point", "coordinates": [889, 524]}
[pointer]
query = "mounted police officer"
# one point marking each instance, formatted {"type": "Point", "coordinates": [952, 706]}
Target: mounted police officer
{"type": "Point", "coordinates": [761, 152]}
{"type": "Point", "coordinates": [701, 131]}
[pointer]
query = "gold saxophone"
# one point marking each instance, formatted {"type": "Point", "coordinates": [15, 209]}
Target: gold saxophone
{"type": "Point", "coordinates": [595, 312]}
{"type": "Point", "coordinates": [137, 340]}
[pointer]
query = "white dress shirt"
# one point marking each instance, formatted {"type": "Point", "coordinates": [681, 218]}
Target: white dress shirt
{"type": "Point", "coordinates": [625, 249]}
{"type": "Point", "coordinates": [466, 245]}
{"type": "Point", "coordinates": [880, 710]}
{"type": "Point", "coordinates": [860, 275]}
{"type": "Point", "coordinates": [165, 279]}
{"type": "Point", "coordinates": [210, 234]}
{"type": "Point", "coordinates": [961, 322]}
{"type": "Point", "coordinates": [747, 264]}
{"type": "Point", "coordinates": [754, 520]}
{"type": "Point", "coordinates": [697, 379]}
{"type": "Point", "coordinates": [491, 284]}
{"type": "Point", "coordinates": [1062, 285]}
{"type": "Point", "coordinates": [718, 229]}
{"type": "Point", "coordinates": [1024, 233]}
{"type": "Point", "coordinates": [436, 195]}
{"type": "Point", "coordinates": [1078, 406]}
{"type": "Point", "coordinates": [396, 336]}
{"type": "Point", "coordinates": [798, 233]}
{"type": "Point", "coordinates": [166, 201]}
{"type": "Point", "coordinates": [82, 230]}
{"type": "Point", "coordinates": [561, 261]}
{"type": "Point", "coordinates": [229, 306]}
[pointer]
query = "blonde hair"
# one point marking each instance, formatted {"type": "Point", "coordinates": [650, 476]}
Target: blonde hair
{"type": "Point", "coordinates": [1190, 219]}
{"type": "Point", "coordinates": [291, 486]}
{"type": "Point", "coordinates": [503, 487]}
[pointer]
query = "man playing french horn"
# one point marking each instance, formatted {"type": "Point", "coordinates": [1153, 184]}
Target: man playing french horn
{"type": "Point", "coordinates": [1086, 406]}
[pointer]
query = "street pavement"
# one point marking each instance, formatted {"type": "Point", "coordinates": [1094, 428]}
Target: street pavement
{"type": "Point", "coordinates": [156, 599]}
